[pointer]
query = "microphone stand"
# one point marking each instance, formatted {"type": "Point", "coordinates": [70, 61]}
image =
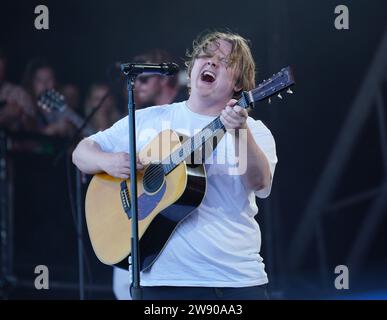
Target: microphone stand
{"type": "Point", "coordinates": [79, 211]}
{"type": "Point", "coordinates": [131, 71]}
{"type": "Point", "coordinates": [136, 291]}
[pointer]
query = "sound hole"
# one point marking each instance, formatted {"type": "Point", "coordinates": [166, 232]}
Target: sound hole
{"type": "Point", "coordinates": [153, 178]}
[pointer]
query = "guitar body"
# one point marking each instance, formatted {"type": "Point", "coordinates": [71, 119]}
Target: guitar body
{"type": "Point", "coordinates": [162, 205]}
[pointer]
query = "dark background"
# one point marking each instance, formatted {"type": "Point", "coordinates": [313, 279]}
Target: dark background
{"type": "Point", "coordinates": [85, 37]}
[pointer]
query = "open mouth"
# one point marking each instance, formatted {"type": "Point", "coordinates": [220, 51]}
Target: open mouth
{"type": "Point", "coordinates": [208, 76]}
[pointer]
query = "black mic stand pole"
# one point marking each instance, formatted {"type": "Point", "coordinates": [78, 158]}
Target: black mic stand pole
{"type": "Point", "coordinates": [79, 205]}
{"type": "Point", "coordinates": [136, 292]}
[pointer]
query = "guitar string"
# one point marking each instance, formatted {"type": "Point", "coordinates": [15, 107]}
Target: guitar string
{"type": "Point", "coordinates": [214, 126]}
{"type": "Point", "coordinates": [155, 172]}
{"type": "Point", "coordinates": [198, 141]}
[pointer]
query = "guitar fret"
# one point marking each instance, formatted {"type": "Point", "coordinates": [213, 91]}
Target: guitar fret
{"type": "Point", "coordinates": [192, 144]}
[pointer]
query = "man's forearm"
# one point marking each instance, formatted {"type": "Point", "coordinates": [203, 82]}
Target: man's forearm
{"type": "Point", "coordinates": [88, 156]}
{"type": "Point", "coordinates": [257, 169]}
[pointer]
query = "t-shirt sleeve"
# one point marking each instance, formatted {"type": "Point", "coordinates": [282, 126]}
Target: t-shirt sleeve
{"type": "Point", "coordinates": [116, 138]}
{"type": "Point", "coordinates": [113, 138]}
{"type": "Point", "coordinates": [266, 142]}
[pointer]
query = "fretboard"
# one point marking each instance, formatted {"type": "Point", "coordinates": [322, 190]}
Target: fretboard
{"type": "Point", "coordinates": [208, 134]}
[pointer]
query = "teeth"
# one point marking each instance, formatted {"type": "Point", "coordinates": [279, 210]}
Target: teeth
{"type": "Point", "coordinates": [209, 73]}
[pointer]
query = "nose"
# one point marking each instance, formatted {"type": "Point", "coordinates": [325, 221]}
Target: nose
{"type": "Point", "coordinates": [211, 62]}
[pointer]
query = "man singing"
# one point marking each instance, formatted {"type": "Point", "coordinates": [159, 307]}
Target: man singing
{"type": "Point", "coordinates": [214, 252]}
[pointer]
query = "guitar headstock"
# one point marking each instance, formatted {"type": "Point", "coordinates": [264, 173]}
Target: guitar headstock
{"type": "Point", "coordinates": [276, 84]}
{"type": "Point", "coordinates": [52, 100]}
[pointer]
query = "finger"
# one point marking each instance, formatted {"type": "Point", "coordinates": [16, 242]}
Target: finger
{"type": "Point", "coordinates": [124, 170]}
{"type": "Point", "coordinates": [123, 162]}
{"type": "Point", "coordinates": [224, 121]}
{"type": "Point", "coordinates": [232, 116]}
{"type": "Point", "coordinates": [244, 113]}
{"type": "Point", "coordinates": [238, 109]}
{"type": "Point", "coordinates": [141, 161]}
{"type": "Point", "coordinates": [229, 109]}
{"type": "Point", "coordinates": [122, 176]}
{"type": "Point", "coordinates": [235, 120]}
{"type": "Point", "coordinates": [241, 116]}
{"type": "Point", "coordinates": [229, 122]}
{"type": "Point", "coordinates": [227, 114]}
{"type": "Point", "coordinates": [240, 112]}
{"type": "Point", "coordinates": [124, 165]}
{"type": "Point", "coordinates": [231, 103]}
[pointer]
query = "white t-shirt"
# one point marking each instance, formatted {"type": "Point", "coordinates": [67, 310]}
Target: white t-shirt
{"type": "Point", "coordinates": [218, 245]}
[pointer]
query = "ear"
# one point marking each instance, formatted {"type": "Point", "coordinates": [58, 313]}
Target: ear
{"type": "Point", "coordinates": [237, 88]}
{"type": "Point", "coordinates": [237, 91]}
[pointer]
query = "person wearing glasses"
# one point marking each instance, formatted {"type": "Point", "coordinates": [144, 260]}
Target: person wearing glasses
{"type": "Point", "coordinates": [154, 89]}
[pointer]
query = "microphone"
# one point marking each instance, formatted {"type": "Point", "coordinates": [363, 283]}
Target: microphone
{"type": "Point", "coordinates": [167, 69]}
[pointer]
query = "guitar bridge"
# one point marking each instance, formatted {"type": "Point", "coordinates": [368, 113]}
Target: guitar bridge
{"type": "Point", "coordinates": [125, 200]}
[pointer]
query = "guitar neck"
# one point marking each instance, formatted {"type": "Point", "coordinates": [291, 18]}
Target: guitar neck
{"type": "Point", "coordinates": [77, 121]}
{"type": "Point", "coordinates": [210, 134]}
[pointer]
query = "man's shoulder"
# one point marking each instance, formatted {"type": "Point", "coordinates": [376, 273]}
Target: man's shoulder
{"type": "Point", "coordinates": [158, 111]}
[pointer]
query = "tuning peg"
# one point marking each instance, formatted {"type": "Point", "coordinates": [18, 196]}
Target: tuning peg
{"type": "Point", "coordinates": [269, 100]}
{"type": "Point", "coordinates": [279, 96]}
{"type": "Point", "coordinates": [289, 91]}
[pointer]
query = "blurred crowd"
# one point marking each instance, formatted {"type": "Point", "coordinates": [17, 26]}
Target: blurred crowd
{"type": "Point", "coordinates": [20, 110]}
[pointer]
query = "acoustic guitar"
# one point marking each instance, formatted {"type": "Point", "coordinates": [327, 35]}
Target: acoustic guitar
{"type": "Point", "coordinates": [170, 187]}
{"type": "Point", "coordinates": [53, 102]}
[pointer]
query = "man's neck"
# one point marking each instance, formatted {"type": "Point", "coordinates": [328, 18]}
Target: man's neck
{"type": "Point", "coordinates": [205, 106]}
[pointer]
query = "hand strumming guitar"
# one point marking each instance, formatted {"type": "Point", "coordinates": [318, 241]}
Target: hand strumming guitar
{"type": "Point", "coordinates": [118, 164]}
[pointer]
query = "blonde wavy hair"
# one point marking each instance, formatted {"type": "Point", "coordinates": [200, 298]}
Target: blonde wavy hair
{"type": "Point", "coordinates": [240, 58]}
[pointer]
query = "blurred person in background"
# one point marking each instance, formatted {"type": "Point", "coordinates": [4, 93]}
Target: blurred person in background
{"type": "Point", "coordinates": [107, 113]}
{"type": "Point", "coordinates": [154, 89]}
{"type": "Point", "coordinates": [39, 77]}
{"type": "Point", "coordinates": [17, 111]}
{"type": "Point", "coordinates": [72, 97]}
